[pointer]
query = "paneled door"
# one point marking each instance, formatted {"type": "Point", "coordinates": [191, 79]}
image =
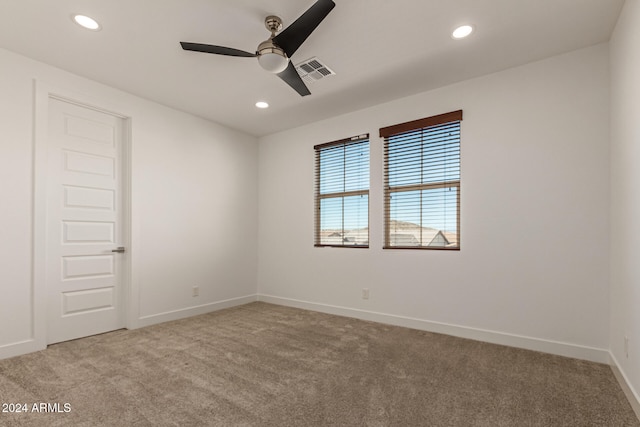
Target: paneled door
{"type": "Point", "coordinates": [86, 241]}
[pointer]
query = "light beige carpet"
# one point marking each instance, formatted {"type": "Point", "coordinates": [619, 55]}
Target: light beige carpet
{"type": "Point", "coordinates": [267, 365]}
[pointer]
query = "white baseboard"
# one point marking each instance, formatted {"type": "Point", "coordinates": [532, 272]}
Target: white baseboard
{"type": "Point", "coordinates": [632, 395]}
{"type": "Point", "coordinates": [191, 311]}
{"type": "Point", "coordinates": [545, 346]}
{"type": "Point", "coordinates": [20, 348]}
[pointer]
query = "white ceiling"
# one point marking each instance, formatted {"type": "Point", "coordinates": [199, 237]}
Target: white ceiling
{"type": "Point", "coordinates": [380, 49]}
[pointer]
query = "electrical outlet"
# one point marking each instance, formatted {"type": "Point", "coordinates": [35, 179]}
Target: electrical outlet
{"type": "Point", "coordinates": [626, 346]}
{"type": "Point", "coordinates": [365, 293]}
{"type": "Point", "coordinates": [195, 291]}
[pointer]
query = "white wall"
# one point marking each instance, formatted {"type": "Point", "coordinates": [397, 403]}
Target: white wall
{"type": "Point", "coordinates": [625, 194]}
{"type": "Point", "coordinates": [533, 269]}
{"type": "Point", "coordinates": [194, 205]}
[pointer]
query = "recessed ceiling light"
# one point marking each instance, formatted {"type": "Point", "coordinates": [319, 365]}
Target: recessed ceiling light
{"type": "Point", "coordinates": [86, 22]}
{"type": "Point", "coordinates": [262, 104]}
{"type": "Point", "coordinates": [462, 31]}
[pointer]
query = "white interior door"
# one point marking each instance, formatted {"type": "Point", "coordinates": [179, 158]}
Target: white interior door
{"type": "Point", "coordinates": [85, 214]}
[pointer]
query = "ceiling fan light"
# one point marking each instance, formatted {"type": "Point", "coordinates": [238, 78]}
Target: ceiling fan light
{"type": "Point", "coordinates": [273, 62]}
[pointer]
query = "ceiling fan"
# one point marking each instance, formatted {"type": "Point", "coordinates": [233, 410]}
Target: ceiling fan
{"type": "Point", "coordinates": [273, 54]}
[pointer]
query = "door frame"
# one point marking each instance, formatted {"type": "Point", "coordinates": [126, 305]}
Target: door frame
{"type": "Point", "coordinates": [42, 93]}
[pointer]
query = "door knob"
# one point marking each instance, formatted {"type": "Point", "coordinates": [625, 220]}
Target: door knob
{"type": "Point", "coordinates": [119, 249]}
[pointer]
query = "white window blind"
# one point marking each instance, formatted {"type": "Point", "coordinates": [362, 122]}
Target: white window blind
{"type": "Point", "coordinates": [342, 193]}
{"type": "Point", "coordinates": [422, 183]}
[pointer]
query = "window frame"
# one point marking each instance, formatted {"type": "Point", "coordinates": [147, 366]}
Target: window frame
{"type": "Point", "coordinates": [318, 196]}
{"type": "Point", "coordinates": [405, 128]}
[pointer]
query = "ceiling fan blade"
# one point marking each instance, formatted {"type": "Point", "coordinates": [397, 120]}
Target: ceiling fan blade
{"type": "Point", "coordinates": [293, 79]}
{"type": "Point", "coordinates": [292, 37]}
{"type": "Point", "coordinates": [219, 50]}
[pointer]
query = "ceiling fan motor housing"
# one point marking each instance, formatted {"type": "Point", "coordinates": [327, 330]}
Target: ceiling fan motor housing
{"type": "Point", "coordinates": [271, 57]}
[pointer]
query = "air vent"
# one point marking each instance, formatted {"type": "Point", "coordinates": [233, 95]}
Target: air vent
{"type": "Point", "coordinates": [313, 70]}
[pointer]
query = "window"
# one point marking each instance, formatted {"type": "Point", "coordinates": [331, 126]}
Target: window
{"type": "Point", "coordinates": [342, 193]}
{"type": "Point", "coordinates": [422, 183]}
